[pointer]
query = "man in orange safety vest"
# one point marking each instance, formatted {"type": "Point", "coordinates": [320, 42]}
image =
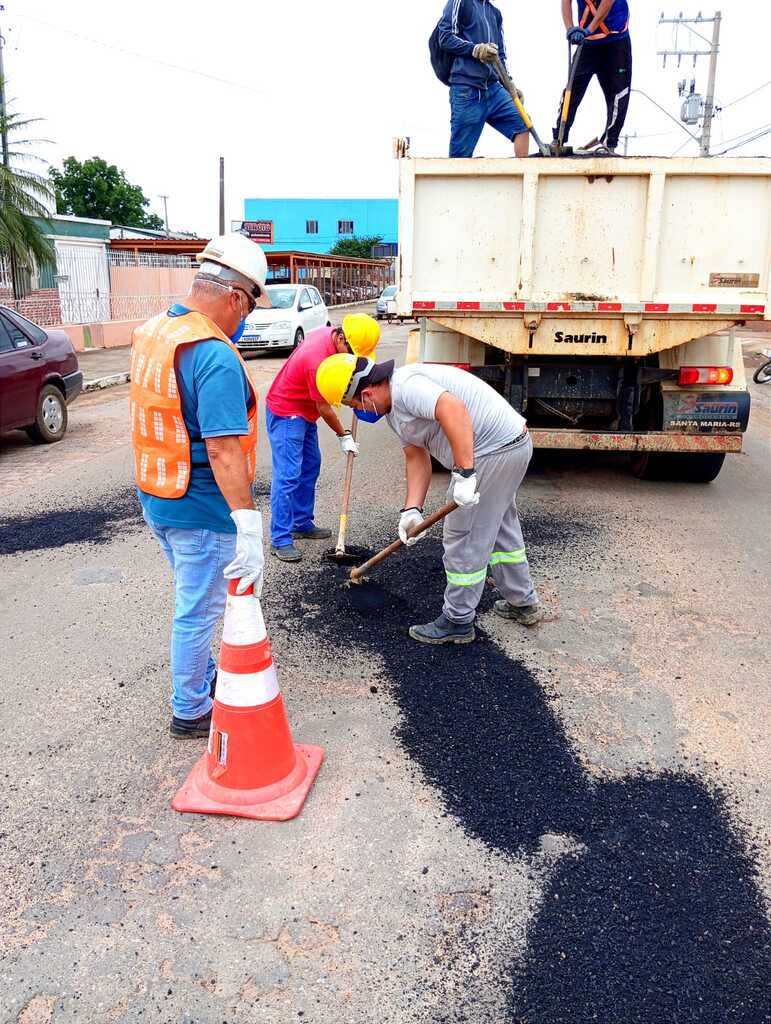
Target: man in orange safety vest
{"type": "Point", "coordinates": [194, 433]}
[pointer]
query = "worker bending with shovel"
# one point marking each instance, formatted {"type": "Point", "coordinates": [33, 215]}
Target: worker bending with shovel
{"type": "Point", "coordinates": [470, 429]}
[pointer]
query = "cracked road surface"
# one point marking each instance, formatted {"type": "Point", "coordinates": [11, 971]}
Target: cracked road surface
{"type": "Point", "coordinates": [551, 827]}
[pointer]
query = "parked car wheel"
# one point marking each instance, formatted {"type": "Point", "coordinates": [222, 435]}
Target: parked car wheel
{"type": "Point", "coordinates": [50, 418]}
{"type": "Point", "coordinates": [299, 336]}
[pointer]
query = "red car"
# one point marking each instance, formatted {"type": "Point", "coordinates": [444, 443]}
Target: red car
{"type": "Point", "coordinates": [39, 375]}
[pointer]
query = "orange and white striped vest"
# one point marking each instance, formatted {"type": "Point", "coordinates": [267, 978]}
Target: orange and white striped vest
{"type": "Point", "coordinates": [590, 11]}
{"type": "Point", "coordinates": [158, 430]}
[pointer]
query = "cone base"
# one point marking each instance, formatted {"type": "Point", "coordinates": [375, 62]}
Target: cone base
{"type": "Point", "coordinates": [200, 795]}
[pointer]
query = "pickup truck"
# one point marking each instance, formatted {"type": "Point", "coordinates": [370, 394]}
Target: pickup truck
{"type": "Point", "coordinates": [599, 296]}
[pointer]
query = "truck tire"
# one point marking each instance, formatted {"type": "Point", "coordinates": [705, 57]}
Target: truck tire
{"type": "Point", "coordinates": [50, 416]}
{"type": "Point", "coordinates": [697, 468]}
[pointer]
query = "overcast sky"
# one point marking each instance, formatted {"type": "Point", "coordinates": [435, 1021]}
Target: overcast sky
{"type": "Point", "coordinates": [305, 96]}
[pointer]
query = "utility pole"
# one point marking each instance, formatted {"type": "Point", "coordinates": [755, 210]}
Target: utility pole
{"type": "Point", "coordinates": [708, 109]}
{"type": "Point", "coordinates": [222, 195]}
{"type": "Point", "coordinates": [626, 142]}
{"type": "Point", "coordinates": [165, 212]}
{"type": "Point", "coordinates": [709, 103]}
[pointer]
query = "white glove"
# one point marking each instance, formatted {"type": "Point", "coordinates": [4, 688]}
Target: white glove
{"type": "Point", "coordinates": [463, 490]}
{"type": "Point", "coordinates": [410, 518]}
{"type": "Point", "coordinates": [248, 564]}
{"type": "Point", "coordinates": [347, 444]}
{"type": "Point", "coordinates": [486, 52]}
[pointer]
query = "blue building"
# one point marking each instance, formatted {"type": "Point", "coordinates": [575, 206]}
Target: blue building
{"type": "Point", "coordinates": [314, 225]}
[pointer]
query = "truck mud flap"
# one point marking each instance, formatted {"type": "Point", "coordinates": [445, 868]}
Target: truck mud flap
{"type": "Point", "coordinates": [706, 412]}
{"type": "Point", "coordinates": [650, 441]}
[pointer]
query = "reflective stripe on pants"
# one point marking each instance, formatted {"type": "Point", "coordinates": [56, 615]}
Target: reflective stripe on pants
{"type": "Point", "coordinates": [489, 534]}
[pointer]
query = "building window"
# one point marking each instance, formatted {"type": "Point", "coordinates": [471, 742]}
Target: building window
{"type": "Point", "coordinates": [345, 227]}
{"type": "Point", "coordinates": [311, 227]}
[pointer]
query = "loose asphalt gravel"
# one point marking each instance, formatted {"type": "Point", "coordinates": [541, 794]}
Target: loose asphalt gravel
{"type": "Point", "coordinates": [656, 916]}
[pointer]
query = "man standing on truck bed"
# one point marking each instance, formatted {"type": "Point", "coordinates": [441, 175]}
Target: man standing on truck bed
{"type": "Point", "coordinates": [450, 414]}
{"type": "Point", "coordinates": [605, 50]}
{"type": "Point", "coordinates": [471, 31]}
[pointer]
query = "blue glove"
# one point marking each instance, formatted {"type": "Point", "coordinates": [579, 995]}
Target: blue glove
{"type": "Point", "coordinates": [577, 35]}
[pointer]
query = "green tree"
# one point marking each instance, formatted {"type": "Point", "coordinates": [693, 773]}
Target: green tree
{"type": "Point", "coordinates": [97, 189]}
{"type": "Point", "coordinates": [358, 247]}
{"type": "Point", "coordinates": [25, 199]}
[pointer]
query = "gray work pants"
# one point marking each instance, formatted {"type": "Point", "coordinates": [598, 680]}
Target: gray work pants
{"type": "Point", "coordinates": [489, 534]}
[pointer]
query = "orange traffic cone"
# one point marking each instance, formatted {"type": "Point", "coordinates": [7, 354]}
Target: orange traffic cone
{"type": "Point", "coordinates": [251, 769]}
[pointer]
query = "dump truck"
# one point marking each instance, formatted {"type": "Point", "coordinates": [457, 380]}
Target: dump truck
{"type": "Point", "coordinates": [599, 296]}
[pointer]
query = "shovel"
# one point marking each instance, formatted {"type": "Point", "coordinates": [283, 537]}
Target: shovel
{"type": "Point", "coordinates": [559, 148]}
{"type": "Point", "coordinates": [511, 89]}
{"type": "Point", "coordinates": [358, 574]}
{"type": "Point", "coordinates": [339, 555]}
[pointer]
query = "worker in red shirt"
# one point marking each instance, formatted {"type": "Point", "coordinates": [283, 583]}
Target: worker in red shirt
{"type": "Point", "coordinates": [293, 406]}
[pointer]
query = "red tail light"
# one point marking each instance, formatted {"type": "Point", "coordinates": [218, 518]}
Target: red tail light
{"type": "Point", "coordinates": [705, 375]}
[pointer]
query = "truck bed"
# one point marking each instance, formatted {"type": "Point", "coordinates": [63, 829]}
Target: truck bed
{"type": "Point", "coordinates": [521, 249]}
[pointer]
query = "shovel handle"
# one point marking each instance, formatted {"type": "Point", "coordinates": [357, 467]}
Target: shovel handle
{"type": "Point", "coordinates": [340, 549]}
{"type": "Point", "coordinates": [511, 89]}
{"type": "Point", "coordinates": [428, 522]}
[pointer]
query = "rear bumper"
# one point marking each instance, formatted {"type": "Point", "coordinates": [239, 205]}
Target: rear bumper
{"type": "Point", "coordinates": [650, 441]}
{"type": "Point", "coordinates": [73, 385]}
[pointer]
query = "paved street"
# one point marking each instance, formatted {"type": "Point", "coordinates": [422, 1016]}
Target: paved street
{"type": "Point", "coordinates": [552, 827]}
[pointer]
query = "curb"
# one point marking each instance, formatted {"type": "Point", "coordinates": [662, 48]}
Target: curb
{"type": "Point", "coordinates": [107, 382]}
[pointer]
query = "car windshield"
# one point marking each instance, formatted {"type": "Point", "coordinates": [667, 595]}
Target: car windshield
{"type": "Point", "coordinates": [388, 293]}
{"type": "Point", "coordinates": [282, 298]}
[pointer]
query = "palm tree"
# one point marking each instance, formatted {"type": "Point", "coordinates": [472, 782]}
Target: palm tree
{"type": "Point", "coordinates": [24, 202]}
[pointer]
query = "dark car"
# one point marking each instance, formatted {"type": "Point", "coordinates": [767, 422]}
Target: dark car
{"type": "Point", "coordinates": [39, 375]}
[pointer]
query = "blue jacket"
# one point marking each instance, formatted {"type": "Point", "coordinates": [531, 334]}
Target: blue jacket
{"type": "Point", "coordinates": [459, 34]}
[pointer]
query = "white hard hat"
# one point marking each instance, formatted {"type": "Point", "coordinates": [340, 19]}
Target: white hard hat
{"type": "Point", "coordinates": [234, 259]}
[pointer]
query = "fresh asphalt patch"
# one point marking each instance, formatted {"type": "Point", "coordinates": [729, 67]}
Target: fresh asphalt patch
{"type": "Point", "coordinates": [94, 522]}
{"type": "Point", "coordinates": [656, 914]}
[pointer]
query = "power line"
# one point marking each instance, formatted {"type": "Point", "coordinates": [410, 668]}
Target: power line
{"type": "Point", "coordinates": [141, 56]}
{"type": "Point", "coordinates": [725, 106]}
{"type": "Point", "coordinates": [746, 142]}
{"type": "Point", "coordinates": [750, 131]}
{"type": "Point", "coordinates": [664, 111]}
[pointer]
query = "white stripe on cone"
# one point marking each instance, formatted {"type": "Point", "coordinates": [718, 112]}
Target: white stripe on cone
{"type": "Point", "coordinates": [247, 690]}
{"type": "Point", "coordinates": [244, 623]}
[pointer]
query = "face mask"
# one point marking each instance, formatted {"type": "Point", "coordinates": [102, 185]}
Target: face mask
{"type": "Point", "coordinates": [236, 335]}
{"type": "Point", "coordinates": [368, 417]}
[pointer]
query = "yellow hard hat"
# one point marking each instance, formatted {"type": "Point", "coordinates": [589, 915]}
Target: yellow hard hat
{"type": "Point", "coordinates": [362, 333]}
{"type": "Point", "coordinates": [334, 376]}
{"type": "Point", "coordinates": [340, 376]}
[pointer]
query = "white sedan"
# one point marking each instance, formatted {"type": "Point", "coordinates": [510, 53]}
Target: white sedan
{"type": "Point", "coordinates": [296, 309]}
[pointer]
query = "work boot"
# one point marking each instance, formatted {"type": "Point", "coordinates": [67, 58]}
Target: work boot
{"type": "Point", "coordinates": [190, 728]}
{"type": "Point", "coordinates": [315, 533]}
{"type": "Point", "coordinates": [525, 615]}
{"type": "Point", "coordinates": [443, 631]}
{"type": "Point", "coordinates": [287, 553]}
{"type": "Point", "coordinates": [594, 148]}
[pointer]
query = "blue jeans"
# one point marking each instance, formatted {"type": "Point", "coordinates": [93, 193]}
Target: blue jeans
{"type": "Point", "coordinates": [472, 108]}
{"type": "Point", "coordinates": [198, 558]}
{"type": "Point", "coordinates": [296, 460]}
